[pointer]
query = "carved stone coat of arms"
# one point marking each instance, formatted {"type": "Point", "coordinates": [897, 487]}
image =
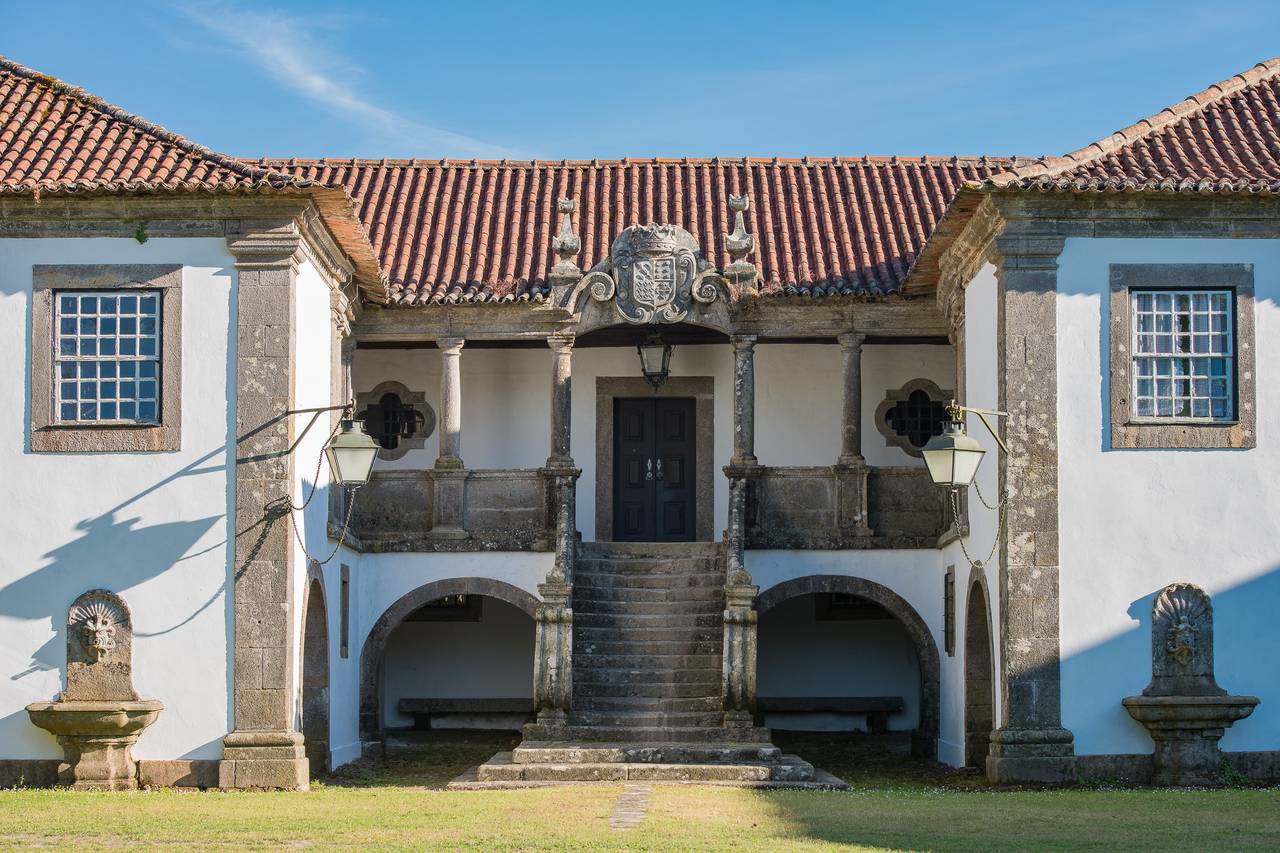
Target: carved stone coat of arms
{"type": "Point", "coordinates": [655, 275]}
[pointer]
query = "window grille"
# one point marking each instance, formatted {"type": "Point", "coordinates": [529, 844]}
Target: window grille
{"type": "Point", "coordinates": [107, 356]}
{"type": "Point", "coordinates": [917, 418]}
{"type": "Point", "coordinates": [1183, 355]}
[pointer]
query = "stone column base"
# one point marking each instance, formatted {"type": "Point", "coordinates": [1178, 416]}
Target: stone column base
{"type": "Point", "coordinates": [98, 763]}
{"type": "Point", "coordinates": [1031, 756]}
{"type": "Point", "coordinates": [264, 760]}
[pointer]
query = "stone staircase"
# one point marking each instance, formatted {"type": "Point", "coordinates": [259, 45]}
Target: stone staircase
{"type": "Point", "coordinates": [647, 682]}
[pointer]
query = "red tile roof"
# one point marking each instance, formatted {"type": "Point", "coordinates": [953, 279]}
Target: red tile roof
{"type": "Point", "coordinates": [468, 231]}
{"type": "Point", "coordinates": [1223, 139]}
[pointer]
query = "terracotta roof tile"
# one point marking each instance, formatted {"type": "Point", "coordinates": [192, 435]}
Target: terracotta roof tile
{"type": "Point", "coordinates": [454, 231]}
{"type": "Point", "coordinates": [1223, 139]}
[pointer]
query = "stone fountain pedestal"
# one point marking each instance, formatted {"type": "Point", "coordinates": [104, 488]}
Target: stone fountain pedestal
{"type": "Point", "coordinates": [99, 717]}
{"type": "Point", "coordinates": [97, 739]}
{"type": "Point", "coordinates": [1183, 708]}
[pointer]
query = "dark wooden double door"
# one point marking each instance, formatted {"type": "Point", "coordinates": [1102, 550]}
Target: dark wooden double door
{"type": "Point", "coordinates": [653, 469]}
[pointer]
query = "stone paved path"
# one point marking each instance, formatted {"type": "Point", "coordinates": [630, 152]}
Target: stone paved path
{"type": "Point", "coordinates": [629, 810]}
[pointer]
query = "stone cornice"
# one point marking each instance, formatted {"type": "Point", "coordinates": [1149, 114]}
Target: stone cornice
{"type": "Point", "coordinates": [964, 257]}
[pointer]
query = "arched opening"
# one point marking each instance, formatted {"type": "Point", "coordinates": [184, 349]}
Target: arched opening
{"type": "Point", "coordinates": [456, 653]}
{"type": "Point", "coordinates": [315, 677]}
{"type": "Point", "coordinates": [840, 653]}
{"type": "Point", "coordinates": [979, 693]}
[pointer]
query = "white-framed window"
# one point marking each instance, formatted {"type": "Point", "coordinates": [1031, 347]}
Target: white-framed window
{"type": "Point", "coordinates": [1183, 354]}
{"type": "Point", "coordinates": [107, 356]}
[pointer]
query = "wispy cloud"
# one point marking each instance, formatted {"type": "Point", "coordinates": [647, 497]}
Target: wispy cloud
{"type": "Point", "coordinates": [292, 50]}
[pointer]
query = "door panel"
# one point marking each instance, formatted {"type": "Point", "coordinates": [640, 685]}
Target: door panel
{"type": "Point", "coordinates": [654, 492]}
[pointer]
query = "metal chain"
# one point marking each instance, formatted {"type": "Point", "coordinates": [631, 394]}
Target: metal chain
{"type": "Point", "coordinates": [315, 480]}
{"type": "Point", "coordinates": [342, 535]}
{"type": "Point", "coordinates": [1000, 517]}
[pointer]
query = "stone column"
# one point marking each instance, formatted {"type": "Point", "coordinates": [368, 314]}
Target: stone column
{"type": "Point", "coordinates": [561, 400]}
{"type": "Point", "coordinates": [1031, 745]}
{"type": "Point", "coordinates": [449, 479]}
{"type": "Point", "coordinates": [744, 400]}
{"type": "Point", "coordinates": [851, 413]}
{"type": "Point", "coordinates": [263, 750]}
{"type": "Point", "coordinates": [450, 403]}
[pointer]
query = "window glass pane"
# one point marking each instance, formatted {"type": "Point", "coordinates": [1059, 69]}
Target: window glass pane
{"type": "Point", "coordinates": [1194, 326]}
{"type": "Point", "coordinates": [106, 335]}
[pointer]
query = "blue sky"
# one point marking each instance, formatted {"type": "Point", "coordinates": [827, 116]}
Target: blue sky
{"type": "Point", "coordinates": [580, 80]}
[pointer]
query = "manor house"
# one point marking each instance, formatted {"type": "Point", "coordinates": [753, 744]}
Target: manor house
{"type": "Point", "coordinates": [651, 437]}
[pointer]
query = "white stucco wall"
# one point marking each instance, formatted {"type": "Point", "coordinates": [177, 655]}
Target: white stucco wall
{"type": "Point", "coordinates": [149, 526]}
{"type": "Point", "coordinates": [488, 659]}
{"type": "Point", "coordinates": [1133, 521]}
{"type": "Point", "coordinates": [800, 656]}
{"type": "Point", "coordinates": [980, 391]}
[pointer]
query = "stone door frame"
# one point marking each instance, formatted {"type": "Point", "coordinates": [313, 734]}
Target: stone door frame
{"type": "Point", "coordinates": [702, 390]}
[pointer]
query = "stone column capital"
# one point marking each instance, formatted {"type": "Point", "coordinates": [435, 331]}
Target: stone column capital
{"type": "Point", "coordinates": [743, 343]}
{"type": "Point", "coordinates": [561, 342]}
{"type": "Point", "coordinates": [451, 346]}
{"type": "Point", "coordinates": [851, 340]}
{"type": "Point", "coordinates": [271, 247]}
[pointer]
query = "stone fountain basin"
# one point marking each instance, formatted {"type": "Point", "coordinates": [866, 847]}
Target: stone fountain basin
{"type": "Point", "coordinates": [95, 718]}
{"type": "Point", "coordinates": [1183, 712]}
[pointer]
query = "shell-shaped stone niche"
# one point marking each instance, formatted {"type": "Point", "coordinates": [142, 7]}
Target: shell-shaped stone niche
{"type": "Point", "coordinates": [99, 649]}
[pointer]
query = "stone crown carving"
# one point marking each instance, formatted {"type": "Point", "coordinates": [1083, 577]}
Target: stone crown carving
{"type": "Point", "coordinates": [1182, 643]}
{"type": "Point", "coordinates": [99, 648]}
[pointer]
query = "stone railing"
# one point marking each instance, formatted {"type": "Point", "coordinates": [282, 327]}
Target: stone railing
{"type": "Point", "coordinates": [844, 506]}
{"type": "Point", "coordinates": [499, 510]}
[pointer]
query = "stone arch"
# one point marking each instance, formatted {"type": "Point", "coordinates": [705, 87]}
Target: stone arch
{"type": "Point", "coordinates": [925, 741]}
{"type": "Point", "coordinates": [314, 681]}
{"type": "Point", "coordinates": [979, 673]}
{"type": "Point", "coordinates": [376, 642]}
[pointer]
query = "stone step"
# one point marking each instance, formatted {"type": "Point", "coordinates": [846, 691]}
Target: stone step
{"type": "Point", "coordinates": [650, 549]}
{"type": "Point", "coordinates": [646, 734]}
{"type": "Point", "coordinates": [647, 608]}
{"type": "Point", "coordinates": [627, 622]}
{"type": "Point", "coordinates": [632, 648]}
{"type": "Point", "coordinates": [645, 636]}
{"type": "Point", "coordinates": [590, 677]}
{"type": "Point", "coordinates": [789, 768]}
{"type": "Point", "coordinates": [647, 662]}
{"type": "Point", "coordinates": [677, 690]}
{"type": "Point", "coordinates": [648, 704]}
{"type": "Point", "coordinates": [586, 595]}
{"type": "Point", "coordinates": [555, 752]}
{"type": "Point", "coordinates": [602, 579]}
{"type": "Point", "coordinates": [629, 719]}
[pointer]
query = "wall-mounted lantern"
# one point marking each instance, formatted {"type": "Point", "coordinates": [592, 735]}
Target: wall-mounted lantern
{"type": "Point", "coordinates": [351, 453]}
{"type": "Point", "coordinates": [655, 359]}
{"type": "Point", "coordinates": [954, 456]}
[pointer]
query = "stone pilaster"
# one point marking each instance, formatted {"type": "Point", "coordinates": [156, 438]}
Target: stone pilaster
{"type": "Point", "coordinates": [851, 411]}
{"type": "Point", "coordinates": [553, 654]}
{"type": "Point", "coordinates": [1030, 745]}
{"type": "Point", "coordinates": [744, 400]}
{"type": "Point", "coordinates": [449, 479]}
{"type": "Point", "coordinates": [740, 619]}
{"type": "Point", "coordinates": [263, 750]}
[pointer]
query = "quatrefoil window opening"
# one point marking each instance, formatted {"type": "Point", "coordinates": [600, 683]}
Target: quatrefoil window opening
{"type": "Point", "coordinates": [911, 415]}
{"type": "Point", "coordinates": [397, 418]}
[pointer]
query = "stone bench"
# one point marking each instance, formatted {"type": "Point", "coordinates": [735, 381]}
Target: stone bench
{"type": "Point", "coordinates": [422, 710]}
{"type": "Point", "coordinates": [877, 708]}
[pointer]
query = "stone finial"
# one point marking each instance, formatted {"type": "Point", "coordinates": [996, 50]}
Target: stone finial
{"type": "Point", "coordinates": [566, 245]}
{"type": "Point", "coordinates": [740, 244]}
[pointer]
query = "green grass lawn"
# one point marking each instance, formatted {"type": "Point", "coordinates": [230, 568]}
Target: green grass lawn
{"type": "Point", "coordinates": [401, 805]}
